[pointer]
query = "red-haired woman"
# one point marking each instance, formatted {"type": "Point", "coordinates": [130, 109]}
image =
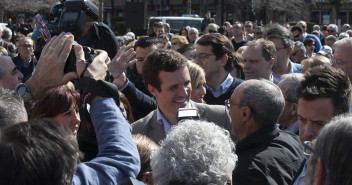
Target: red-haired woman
{"type": "Point", "coordinates": [61, 104]}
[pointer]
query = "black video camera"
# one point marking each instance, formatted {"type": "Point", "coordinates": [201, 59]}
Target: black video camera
{"type": "Point", "coordinates": [71, 16]}
{"type": "Point", "coordinates": [75, 15]}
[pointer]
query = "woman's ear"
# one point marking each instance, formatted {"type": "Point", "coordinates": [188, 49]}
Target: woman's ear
{"type": "Point", "coordinates": [148, 178]}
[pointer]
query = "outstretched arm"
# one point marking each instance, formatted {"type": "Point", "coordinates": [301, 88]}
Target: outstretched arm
{"type": "Point", "coordinates": [118, 156]}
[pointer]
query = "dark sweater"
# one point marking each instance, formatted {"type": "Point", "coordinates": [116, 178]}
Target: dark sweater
{"type": "Point", "coordinates": [209, 98]}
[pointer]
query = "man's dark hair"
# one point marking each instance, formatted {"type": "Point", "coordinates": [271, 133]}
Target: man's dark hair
{"type": "Point", "coordinates": [146, 42]}
{"type": "Point", "coordinates": [159, 25]}
{"type": "Point", "coordinates": [279, 32]}
{"type": "Point", "coordinates": [221, 45]}
{"type": "Point", "coordinates": [161, 60]}
{"type": "Point", "coordinates": [185, 48]}
{"type": "Point", "coordinates": [38, 152]}
{"type": "Point", "coordinates": [163, 36]}
{"type": "Point", "coordinates": [298, 28]}
{"type": "Point", "coordinates": [324, 81]}
{"type": "Point", "coordinates": [241, 23]}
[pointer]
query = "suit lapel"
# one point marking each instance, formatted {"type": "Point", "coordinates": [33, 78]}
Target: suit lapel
{"type": "Point", "coordinates": [200, 110]}
{"type": "Point", "coordinates": [156, 131]}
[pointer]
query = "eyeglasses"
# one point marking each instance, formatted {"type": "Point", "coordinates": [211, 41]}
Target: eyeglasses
{"type": "Point", "coordinates": [212, 31]}
{"type": "Point", "coordinates": [296, 36]}
{"type": "Point", "coordinates": [202, 56]}
{"type": "Point", "coordinates": [337, 63]}
{"type": "Point", "coordinates": [331, 31]}
{"type": "Point", "coordinates": [192, 33]}
{"type": "Point", "coordinates": [27, 46]}
{"type": "Point", "coordinates": [228, 103]}
{"type": "Point", "coordinates": [259, 33]}
{"type": "Point", "coordinates": [248, 26]}
{"type": "Point", "coordinates": [174, 43]}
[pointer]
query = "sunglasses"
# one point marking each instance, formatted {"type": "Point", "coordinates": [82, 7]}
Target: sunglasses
{"type": "Point", "coordinates": [294, 54]}
{"type": "Point", "coordinates": [175, 43]}
{"type": "Point", "coordinates": [248, 26]}
{"type": "Point", "coordinates": [331, 31]}
{"type": "Point", "coordinates": [212, 31]}
{"type": "Point", "coordinates": [259, 33]}
{"type": "Point", "coordinates": [296, 36]}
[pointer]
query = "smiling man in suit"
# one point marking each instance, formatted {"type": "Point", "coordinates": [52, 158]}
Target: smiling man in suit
{"type": "Point", "coordinates": [167, 77]}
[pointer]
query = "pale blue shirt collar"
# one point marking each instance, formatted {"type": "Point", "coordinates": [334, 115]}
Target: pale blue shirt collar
{"type": "Point", "coordinates": [226, 84]}
{"type": "Point", "coordinates": [162, 120]}
{"type": "Point", "coordinates": [294, 128]}
{"type": "Point", "coordinates": [300, 178]}
{"type": "Point", "coordinates": [277, 78]}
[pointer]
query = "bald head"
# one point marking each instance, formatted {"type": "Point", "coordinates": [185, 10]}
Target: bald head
{"type": "Point", "coordinates": [264, 98]}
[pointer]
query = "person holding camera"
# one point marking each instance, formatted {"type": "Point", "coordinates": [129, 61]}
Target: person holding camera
{"type": "Point", "coordinates": [53, 150]}
{"type": "Point", "coordinates": [94, 34]}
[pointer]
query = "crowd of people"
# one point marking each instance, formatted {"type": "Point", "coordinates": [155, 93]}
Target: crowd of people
{"type": "Point", "coordinates": [241, 103]}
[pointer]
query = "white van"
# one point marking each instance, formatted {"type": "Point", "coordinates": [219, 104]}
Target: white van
{"type": "Point", "coordinates": [176, 23]}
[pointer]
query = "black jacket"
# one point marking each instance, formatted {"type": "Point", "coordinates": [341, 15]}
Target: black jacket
{"type": "Point", "coordinates": [141, 103]}
{"type": "Point", "coordinates": [269, 156]}
{"type": "Point", "coordinates": [101, 37]}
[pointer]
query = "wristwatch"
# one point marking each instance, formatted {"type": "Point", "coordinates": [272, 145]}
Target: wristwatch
{"type": "Point", "coordinates": [22, 90]}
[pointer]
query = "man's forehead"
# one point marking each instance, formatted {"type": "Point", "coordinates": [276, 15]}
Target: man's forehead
{"type": "Point", "coordinates": [253, 48]}
{"type": "Point", "coordinates": [277, 41]}
{"type": "Point", "coordinates": [342, 53]}
{"type": "Point", "coordinates": [170, 75]}
{"type": "Point", "coordinates": [318, 109]}
{"type": "Point", "coordinates": [202, 48]}
{"type": "Point", "coordinates": [147, 50]}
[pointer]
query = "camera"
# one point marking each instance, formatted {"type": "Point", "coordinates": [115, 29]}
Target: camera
{"type": "Point", "coordinates": [75, 14]}
{"type": "Point", "coordinates": [54, 17]}
{"type": "Point", "coordinates": [89, 55]}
